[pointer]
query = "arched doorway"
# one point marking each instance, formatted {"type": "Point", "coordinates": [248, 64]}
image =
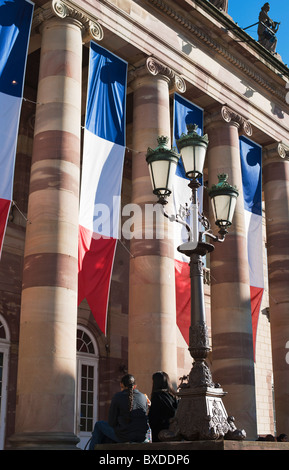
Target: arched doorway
{"type": "Point", "coordinates": [87, 384]}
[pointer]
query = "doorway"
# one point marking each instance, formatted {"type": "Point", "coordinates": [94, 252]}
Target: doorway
{"type": "Point", "coordinates": [87, 385]}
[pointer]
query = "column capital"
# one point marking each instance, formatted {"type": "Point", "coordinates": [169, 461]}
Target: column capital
{"type": "Point", "coordinates": [277, 151]}
{"type": "Point", "coordinates": [91, 29]}
{"type": "Point", "coordinates": [154, 67]}
{"type": "Point", "coordinates": [226, 114]}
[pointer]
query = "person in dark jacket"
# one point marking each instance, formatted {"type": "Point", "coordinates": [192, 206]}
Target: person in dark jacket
{"type": "Point", "coordinates": [163, 406]}
{"type": "Point", "coordinates": [127, 419]}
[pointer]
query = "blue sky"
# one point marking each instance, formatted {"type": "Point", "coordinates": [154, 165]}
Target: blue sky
{"type": "Point", "coordinates": [246, 13]}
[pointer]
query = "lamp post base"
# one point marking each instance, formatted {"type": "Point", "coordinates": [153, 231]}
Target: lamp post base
{"type": "Point", "coordinates": [201, 415]}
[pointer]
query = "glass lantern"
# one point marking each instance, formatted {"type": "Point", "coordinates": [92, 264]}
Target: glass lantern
{"type": "Point", "coordinates": [223, 197]}
{"type": "Point", "coordinates": [162, 163]}
{"type": "Point", "coordinates": [193, 148]}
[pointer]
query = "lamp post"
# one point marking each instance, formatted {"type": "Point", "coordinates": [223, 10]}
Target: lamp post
{"type": "Point", "coordinates": [201, 414]}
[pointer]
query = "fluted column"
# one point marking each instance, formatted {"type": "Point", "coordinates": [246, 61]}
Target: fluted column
{"type": "Point", "coordinates": [152, 306]}
{"type": "Point", "coordinates": [232, 341]}
{"type": "Point", "coordinates": [45, 412]}
{"type": "Point", "coordinates": [276, 191]}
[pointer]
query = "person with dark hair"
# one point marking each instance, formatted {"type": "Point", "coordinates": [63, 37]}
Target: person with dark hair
{"type": "Point", "coordinates": [164, 404]}
{"type": "Point", "coordinates": [127, 418]}
{"type": "Point", "coordinates": [282, 438]}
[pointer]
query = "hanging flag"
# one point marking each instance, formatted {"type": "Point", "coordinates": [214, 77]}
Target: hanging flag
{"type": "Point", "coordinates": [102, 168]}
{"type": "Point", "coordinates": [15, 24]}
{"type": "Point", "coordinates": [185, 113]}
{"type": "Point", "coordinates": [251, 164]}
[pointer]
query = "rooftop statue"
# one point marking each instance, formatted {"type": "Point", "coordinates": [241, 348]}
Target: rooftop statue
{"type": "Point", "coordinates": [267, 29]}
{"type": "Point", "coordinates": [221, 4]}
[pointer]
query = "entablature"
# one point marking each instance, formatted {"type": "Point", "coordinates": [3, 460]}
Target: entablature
{"type": "Point", "coordinates": [198, 42]}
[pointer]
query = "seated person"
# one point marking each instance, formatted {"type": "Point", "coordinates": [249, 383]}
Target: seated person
{"type": "Point", "coordinates": [127, 420]}
{"type": "Point", "coordinates": [164, 404]}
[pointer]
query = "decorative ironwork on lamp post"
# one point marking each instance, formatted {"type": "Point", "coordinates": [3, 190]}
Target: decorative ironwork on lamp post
{"type": "Point", "coordinates": [201, 414]}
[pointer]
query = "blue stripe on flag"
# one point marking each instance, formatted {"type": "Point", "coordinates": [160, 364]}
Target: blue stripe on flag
{"type": "Point", "coordinates": [15, 22]}
{"type": "Point", "coordinates": [107, 95]}
{"type": "Point", "coordinates": [251, 162]}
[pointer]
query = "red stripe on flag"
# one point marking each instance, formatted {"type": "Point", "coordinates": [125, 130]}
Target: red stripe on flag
{"type": "Point", "coordinates": [183, 297]}
{"type": "Point", "coordinates": [4, 212]}
{"type": "Point", "coordinates": [95, 262]}
{"type": "Point", "coordinates": [256, 299]}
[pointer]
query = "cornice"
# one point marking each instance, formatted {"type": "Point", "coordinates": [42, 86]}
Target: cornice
{"type": "Point", "coordinates": [91, 29]}
{"type": "Point", "coordinates": [217, 47]}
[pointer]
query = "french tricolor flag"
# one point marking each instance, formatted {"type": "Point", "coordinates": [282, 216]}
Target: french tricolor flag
{"type": "Point", "coordinates": [15, 24]}
{"type": "Point", "coordinates": [185, 113]}
{"type": "Point", "coordinates": [102, 169]}
{"type": "Point", "coordinates": [251, 163]}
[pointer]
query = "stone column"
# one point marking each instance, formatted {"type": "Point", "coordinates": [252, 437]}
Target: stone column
{"type": "Point", "coordinates": [152, 306]}
{"type": "Point", "coordinates": [45, 412]}
{"type": "Point", "coordinates": [276, 191]}
{"type": "Point", "coordinates": [232, 341]}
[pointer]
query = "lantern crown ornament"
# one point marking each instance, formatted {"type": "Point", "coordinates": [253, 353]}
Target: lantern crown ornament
{"type": "Point", "coordinates": [192, 137]}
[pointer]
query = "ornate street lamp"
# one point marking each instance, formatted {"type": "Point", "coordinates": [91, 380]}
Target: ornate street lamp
{"type": "Point", "coordinates": [201, 413]}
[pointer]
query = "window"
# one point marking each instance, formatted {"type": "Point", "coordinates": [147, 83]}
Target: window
{"type": "Point", "coordinates": [84, 343]}
{"type": "Point", "coordinates": [87, 380]}
{"type": "Point", "coordinates": [87, 398]}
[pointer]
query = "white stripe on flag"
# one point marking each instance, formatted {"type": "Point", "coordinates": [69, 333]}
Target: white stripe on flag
{"type": "Point", "coordinates": [99, 204]}
{"type": "Point", "coordinates": [253, 224]}
{"type": "Point", "coordinates": [182, 194]}
{"type": "Point", "coordinates": [9, 121]}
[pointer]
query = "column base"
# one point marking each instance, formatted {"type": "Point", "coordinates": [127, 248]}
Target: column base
{"type": "Point", "coordinates": [44, 441]}
{"type": "Point", "coordinates": [201, 415]}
